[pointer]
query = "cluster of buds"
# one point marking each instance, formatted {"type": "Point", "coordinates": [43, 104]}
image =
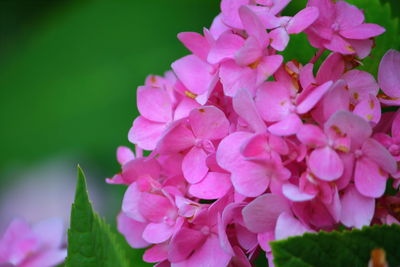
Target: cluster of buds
{"type": "Point", "coordinates": [245, 148]}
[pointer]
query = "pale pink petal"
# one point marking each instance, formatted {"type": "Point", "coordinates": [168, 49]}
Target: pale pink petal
{"type": "Point", "coordinates": [185, 106]}
{"type": "Point", "coordinates": [273, 101]}
{"type": "Point", "coordinates": [362, 214]}
{"type": "Point", "coordinates": [253, 25]}
{"type": "Point", "coordinates": [50, 231]}
{"type": "Point", "coordinates": [287, 226]}
{"type": "Point", "coordinates": [157, 232]}
{"type": "Point", "coordinates": [244, 106]}
{"type": "Point", "coordinates": [154, 207]}
{"type": "Point", "coordinates": [370, 181]}
{"type": "Point", "coordinates": [311, 135]}
{"type": "Point", "coordinates": [132, 231]}
{"type": "Point", "coordinates": [145, 133]}
{"type": "Point", "coordinates": [154, 104]}
{"type": "Point", "coordinates": [130, 203]}
{"type": "Point", "coordinates": [380, 155]}
{"type": "Point", "coordinates": [280, 38]}
{"type": "Point", "coordinates": [389, 75]}
{"type": "Point", "coordinates": [176, 138]}
{"type": "Point", "coordinates": [225, 47]}
{"type": "Point", "coordinates": [124, 154]}
{"type": "Point", "coordinates": [267, 67]}
{"type": "Point", "coordinates": [250, 52]}
{"type": "Point", "coordinates": [209, 122]}
{"type": "Point", "coordinates": [288, 126]}
{"type": "Point", "coordinates": [230, 12]}
{"type": "Point", "coordinates": [250, 179]}
{"type": "Point", "coordinates": [194, 73]}
{"type": "Point", "coordinates": [293, 193]}
{"type": "Point", "coordinates": [215, 185]}
{"type": "Point", "coordinates": [233, 77]}
{"type": "Point", "coordinates": [218, 27]}
{"type": "Point", "coordinates": [264, 239]}
{"type": "Point", "coordinates": [183, 243]}
{"type": "Point", "coordinates": [313, 96]}
{"type": "Point", "coordinates": [45, 258]}
{"type": "Point", "coordinates": [194, 165]}
{"type": "Point", "coordinates": [302, 20]}
{"type": "Point", "coordinates": [362, 31]}
{"type": "Point", "coordinates": [156, 253]}
{"type": "Point", "coordinates": [335, 206]}
{"type": "Point", "coordinates": [196, 43]}
{"type": "Point", "coordinates": [261, 214]}
{"type": "Point", "coordinates": [228, 153]}
{"type": "Point", "coordinates": [326, 164]}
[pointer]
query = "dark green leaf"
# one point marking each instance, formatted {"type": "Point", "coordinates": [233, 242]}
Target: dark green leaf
{"type": "Point", "coordinates": [347, 248]}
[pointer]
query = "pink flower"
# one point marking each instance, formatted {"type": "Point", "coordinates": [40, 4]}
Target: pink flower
{"type": "Point", "coordinates": [37, 246]}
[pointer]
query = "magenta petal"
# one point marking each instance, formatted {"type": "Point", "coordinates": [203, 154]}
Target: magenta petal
{"type": "Point", "coordinates": [331, 69]}
{"type": "Point", "coordinates": [194, 165]}
{"type": "Point", "coordinates": [370, 181]}
{"type": "Point", "coordinates": [225, 47]}
{"type": "Point", "coordinates": [362, 31]}
{"type": "Point", "coordinates": [312, 98]}
{"type": "Point", "coordinates": [209, 122]}
{"type": "Point", "coordinates": [369, 109]}
{"type": "Point", "coordinates": [287, 226]}
{"type": "Point", "coordinates": [357, 210]}
{"type": "Point", "coordinates": [302, 20]}
{"type": "Point", "coordinates": [326, 164]}
{"type": "Point", "coordinates": [132, 231]}
{"type": "Point", "coordinates": [340, 45]}
{"type": "Point", "coordinates": [215, 185]}
{"type": "Point", "coordinates": [280, 38]}
{"type": "Point", "coordinates": [244, 106]}
{"type": "Point", "coordinates": [156, 253]}
{"type": "Point", "coordinates": [379, 154]}
{"type": "Point", "coordinates": [183, 243]}
{"type": "Point", "coordinates": [196, 43]}
{"type": "Point", "coordinates": [311, 135]}
{"type": "Point", "coordinates": [194, 73]}
{"type": "Point", "coordinates": [157, 232]}
{"type": "Point", "coordinates": [389, 75]}
{"type": "Point", "coordinates": [348, 15]}
{"type": "Point", "coordinates": [293, 193]}
{"type": "Point", "coordinates": [145, 133]}
{"type": "Point", "coordinates": [261, 214]}
{"type": "Point", "coordinates": [154, 104]}
{"type": "Point", "coordinates": [249, 53]}
{"type": "Point", "coordinates": [288, 126]}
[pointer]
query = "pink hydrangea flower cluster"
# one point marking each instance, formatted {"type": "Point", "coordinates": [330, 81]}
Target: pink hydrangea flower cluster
{"type": "Point", "coordinates": [247, 148]}
{"type": "Point", "coordinates": [37, 246]}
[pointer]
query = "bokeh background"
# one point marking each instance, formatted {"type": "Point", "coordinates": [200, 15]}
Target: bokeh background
{"type": "Point", "coordinates": [68, 76]}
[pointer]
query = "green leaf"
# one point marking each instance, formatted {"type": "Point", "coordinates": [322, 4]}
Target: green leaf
{"type": "Point", "coordinates": [90, 240]}
{"type": "Point", "coordinates": [347, 248]}
{"type": "Point", "coordinates": [380, 13]}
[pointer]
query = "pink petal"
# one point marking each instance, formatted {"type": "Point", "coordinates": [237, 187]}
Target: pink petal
{"type": "Point", "coordinates": [302, 20]}
{"type": "Point", "coordinates": [154, 104]}
{"type": "Point", "coordinates": [267, 67]}
{"type": "Point", "coordinates": [194, 165]}
{"type": "Point", "coordinates": [326, 164]}
{"type": "Point", "coordinates": [278, 6]}
{"type": "Point", "coordinates": [130, 203]}
{"type": "Point", "coordinates": [348, 15]}
{"type": "Point", "coordinates": [380, 155]}
{"type": "Point", "coordinates": [230, 12]}
{"type": "Point", "coordinates": [225, 47]}
{"type": "Point", "coordinates": [362, 214]}
{"type": "Point", "coordinates": [233, 77]}
{"type": "Point", "coordinates": [154, 207]}
{"type": "Point", "coordinates": [360, 83]}
{"type": "Point", "coordinates": [185, 106]}
{"type": "Point", "coordinates": [307, 76]}
{"type": "Point", "coordinates": [228, 153]}
{"type": "Point", "coordinates": [288, 126]}
{"type": "Point", "coordinates": [183, 243]}
{"type": "Point", "coordinates": [389, 75]}
{"type": "Point", "coordinates": [311, 135]}
{"type": "Point", "coordinates": [176, 138]}
{"type": "Point", "coordinates": [124, 154]}
{"type": "Point", "coordinates": [362, 31]}
{"type": "Point", "coordinates": [273, 101]}
{"type": "Point", "coordinates": [312, 98]}
{"type": "Point", "coordinates": [362, 47]}
{"type": "Point", "coordinates": [194, 73]}
{"type": "Point", "coordinates": [145, 133]}
{"type": "Point", "coordinates": [246, 239]}
{"type": "Point", "coordinates": [50, 257]}
{"type": "Point", "coordinates": [218, 27]}
{"type": "Point", "coordinates": [287, 226]}
{"type": "Point", "coordinates": [293, 193]}
{"type": "Point", "coordinates": [280, 38]}
{"type": "Point", "coordinates": [252, 24]}
{"type": "Point", "coordinates": [340, 45]}
{"type": "Point", "coordinates": [156, 253]}
{"type": "Point", "coordinates": [209, 122]}
{"type": "Point", "coordinates": [132, 231]}
{"type": "Point", "coordinates": [264, 239]}
{"type": "Point", "coordinates": [140, 167]}
{"type": "Point", "coordinates": [244, 106]}
{"type": "Point", "coordinates": [345, 122]}
{"type": "Point", "coordinates": [215, 185]}
{"type": "Point", "coordinates": [250, 52]}
{"type": "Point", "coordinates": [396, 125]}
{"type": "Point", "coordinates": [256, 146]}
{"type": "Point", "coordinates": [157, 232]}
{"type": "Point", "coordinates": [331, 69]}
{"type": "Point", "coordinates": [250, 179]}
{"type": "Point", "coordinates": [369, 179]}
{"type": "Point", "coordinates": [196, 43]}
{"type": "Point", "coordinates": [261, 214]}
{"type": "Point", "coordinates": [369, 109]}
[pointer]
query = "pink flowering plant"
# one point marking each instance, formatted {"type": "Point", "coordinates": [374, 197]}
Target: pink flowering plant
{"type": "Point", "coordinates": [254, 151]}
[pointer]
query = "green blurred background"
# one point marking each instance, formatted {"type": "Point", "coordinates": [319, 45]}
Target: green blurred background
{"type": "Point", "coordinates": [68, 76]}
